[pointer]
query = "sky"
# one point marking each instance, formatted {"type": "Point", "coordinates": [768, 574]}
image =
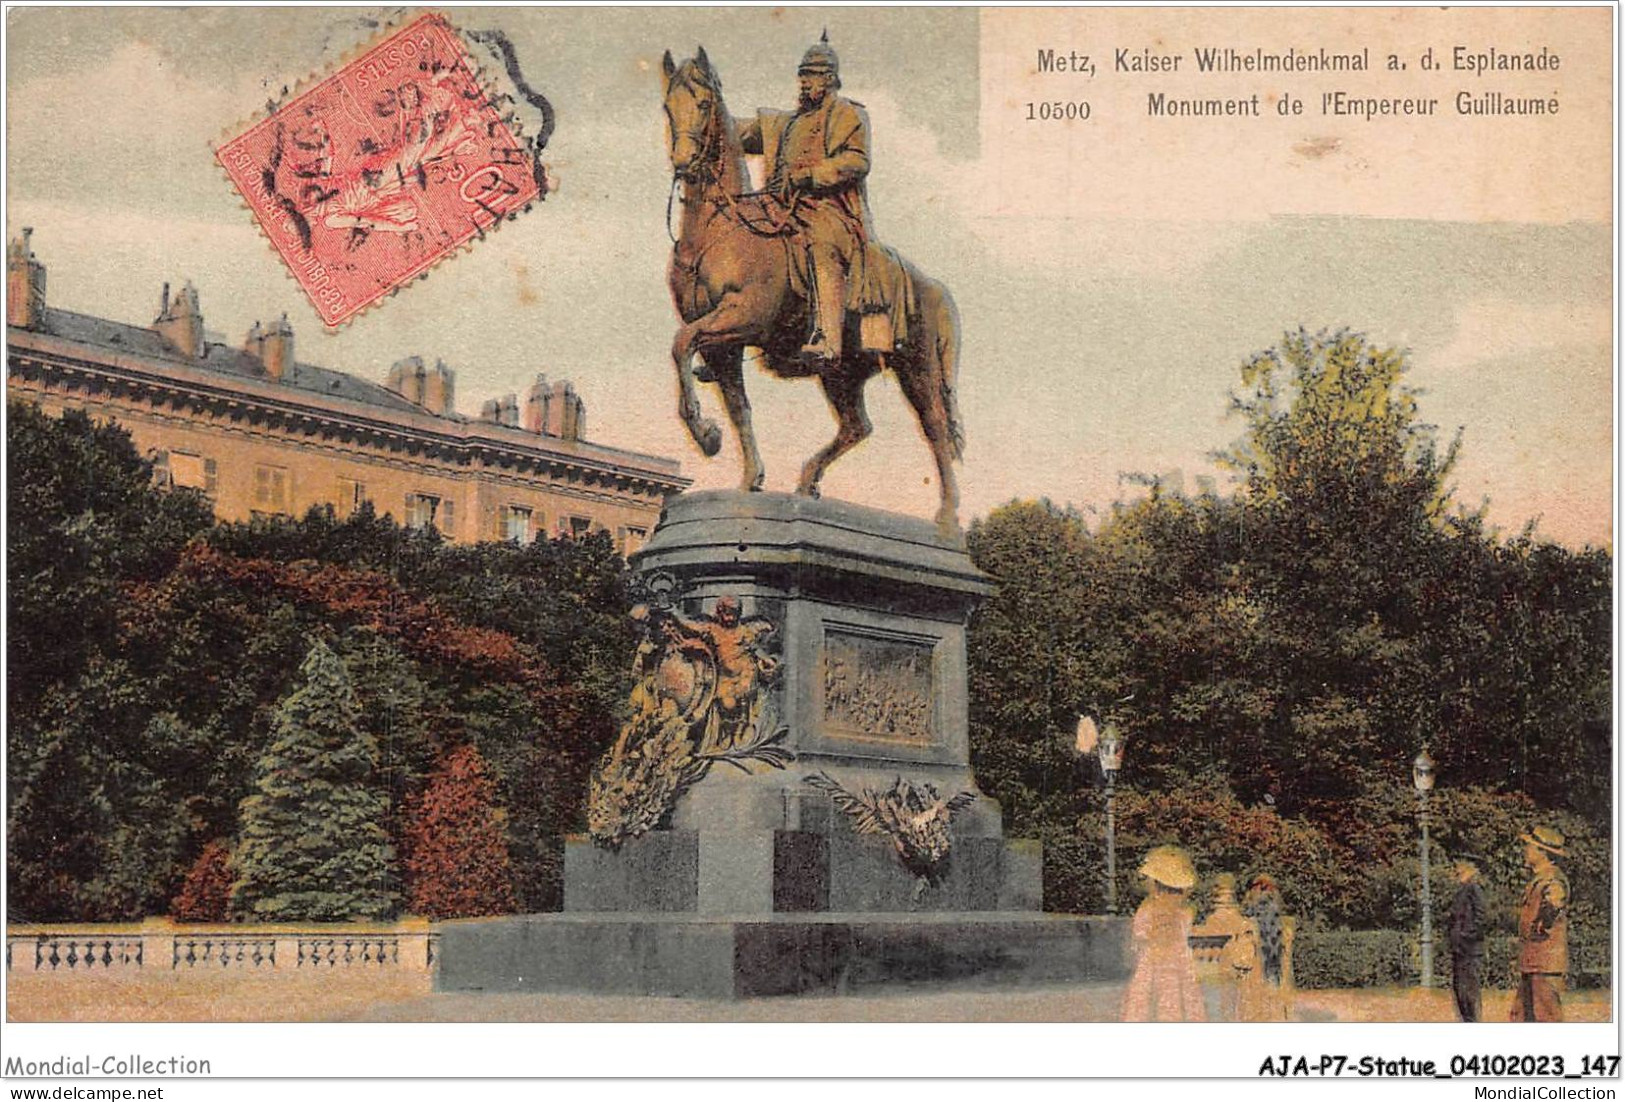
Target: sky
{"type": "Point", "coordinates": [1103, 333]}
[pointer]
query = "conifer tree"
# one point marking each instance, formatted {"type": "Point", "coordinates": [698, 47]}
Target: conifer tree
{"type": "Point", "coordinates": [458, 864]}
{"type": "Point", "coordinates": [313, 845]}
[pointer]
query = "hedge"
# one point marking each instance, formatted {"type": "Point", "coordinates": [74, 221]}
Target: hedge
{"type": "Point", "coordinates": [1324, 957]}
{"type": "Point", "coordinates": [1352, 958]}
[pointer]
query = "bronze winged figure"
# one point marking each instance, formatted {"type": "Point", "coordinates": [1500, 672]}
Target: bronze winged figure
{"type": "Point", "coordinates": [913, 816]}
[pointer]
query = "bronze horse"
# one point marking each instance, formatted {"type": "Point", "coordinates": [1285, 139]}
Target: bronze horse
{"type": "Point", "coordinates": [730, 278]}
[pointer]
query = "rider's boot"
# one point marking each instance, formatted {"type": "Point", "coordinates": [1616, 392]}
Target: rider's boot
{"type": "Point", "coordinates": [829, 305]}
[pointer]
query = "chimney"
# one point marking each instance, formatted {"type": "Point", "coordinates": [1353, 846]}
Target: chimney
{"type": "Point", "coordinates": [277, 346]}
{"type": "Point", "coordinates": [578, 430]}
{"type": "Point", "coordinates": [406, 379]}
{"type": "Point", "coordinates": [439, 385]}
{"type": "Point", "coordinates": [553, 411]}
{"type": "Point", "coordinates": [501, 411]}
{"type": "Point", "coordinates": [180, 322]}
{"type": "Point", "coordinates": [536, 405]}
{"type": "Point", "coordinates": [572, 414]}
{"type": "Point", "coordinates": [253, 344]}
{"type": "Point", "coordinates": [25, 283]}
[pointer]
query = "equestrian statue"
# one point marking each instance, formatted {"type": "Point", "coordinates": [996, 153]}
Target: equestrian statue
{"type": "Point", "coordinates": [795, 271]}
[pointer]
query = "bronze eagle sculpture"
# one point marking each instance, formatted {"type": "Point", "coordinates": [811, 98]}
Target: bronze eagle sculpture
{"type": "Point", "coordinates": [913, 816]}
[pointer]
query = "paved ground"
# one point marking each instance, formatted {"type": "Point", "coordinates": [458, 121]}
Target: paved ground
{"type": "Point", "coordinates": [172, 998]}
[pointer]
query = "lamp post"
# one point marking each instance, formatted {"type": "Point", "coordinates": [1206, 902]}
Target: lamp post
{"type": "Point", "coordinates": [1422, 778]}
{"type": "Point", "coordinates": [1110, 750]}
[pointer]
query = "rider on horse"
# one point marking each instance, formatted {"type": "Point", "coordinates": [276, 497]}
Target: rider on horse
{"type": "Point", "coordinates": [818, 158]}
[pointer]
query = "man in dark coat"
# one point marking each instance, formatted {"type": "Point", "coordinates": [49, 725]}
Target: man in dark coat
{"type": "Point", "coordinates": [1465, 934]}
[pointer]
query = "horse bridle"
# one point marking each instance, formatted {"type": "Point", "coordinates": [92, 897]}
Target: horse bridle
{"type": "Point", "coordinates": [705, 172]}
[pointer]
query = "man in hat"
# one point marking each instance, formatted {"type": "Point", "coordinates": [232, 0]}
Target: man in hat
{"type": "Point", "coordinates": [1465, 934]}
{"type": "Point", "coordinates": [820, 155]}
{"type": "Point", "coordinates": [1543, 930]}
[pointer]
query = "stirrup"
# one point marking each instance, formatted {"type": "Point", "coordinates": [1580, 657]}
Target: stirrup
{"type": "Point", "coordinates": [819, 349]}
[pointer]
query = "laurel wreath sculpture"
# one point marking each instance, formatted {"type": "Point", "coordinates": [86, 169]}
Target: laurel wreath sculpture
{"type": "Point", "coordinates": [701, 699]}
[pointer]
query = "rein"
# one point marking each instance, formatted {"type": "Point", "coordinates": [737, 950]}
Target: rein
{"type": "Point", "coordinates": [709, 177]}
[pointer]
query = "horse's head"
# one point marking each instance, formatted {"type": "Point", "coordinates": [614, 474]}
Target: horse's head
{"type": "Point", "coordinates": [693, 106]}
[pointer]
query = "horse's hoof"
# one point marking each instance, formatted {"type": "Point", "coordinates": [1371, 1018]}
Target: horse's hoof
{"type": "Point", "coordinates": [710, 439]}
{"type": "Point", "coordinates": [755, 485]}
{"type": "Point", "coordinates": [808, 491]}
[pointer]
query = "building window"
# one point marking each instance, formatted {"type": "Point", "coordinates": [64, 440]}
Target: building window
{"type": "Point", "coordinates": [576, 527]}
{"type": "Point", "coordinates": [421, 510]}
{"type": "Point", "coordinates": [186, 470]}
{"type": "Point", "coordinates": [270, 489]}
{"type": "Point", "coordinates": [429, 511]}
{"type": "Point", "coordinates": [632, 539]}
{"type": "Point", "coordinates": [352, 495]}
{"type": "Point", "coordinates": [517, 524]}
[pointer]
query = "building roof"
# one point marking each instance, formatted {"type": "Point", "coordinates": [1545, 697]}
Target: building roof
{"type": "Point", "coordinates": [234, 369]}
{"type": "Point", "coordinates": [221, 358]}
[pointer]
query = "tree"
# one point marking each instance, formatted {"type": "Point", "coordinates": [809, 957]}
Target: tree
{"type": "Point", "coordinates": [1277, 654]}
{"type": "Point", "coordinates": [457, 859]}
{"type": "Point", "coordinates": [82, 518]}
{"type": "Point", "coordinates": [1029, 655]}
{"type": "Point", "coordinates": [148, 666]}
{"type": "Point", "coordinates": [1343, 495]}
{"type": "Point", "coordinates": [312, 841]}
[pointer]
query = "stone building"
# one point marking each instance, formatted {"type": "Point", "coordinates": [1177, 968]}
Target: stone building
{"type": "Point", "coordinates": [262, 433]}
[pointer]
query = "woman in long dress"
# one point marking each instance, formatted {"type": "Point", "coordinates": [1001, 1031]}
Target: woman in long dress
{"type": "Point", "coordinates": [1164, 987]}
{"type": "Point", "coordinates": [1262, 906]}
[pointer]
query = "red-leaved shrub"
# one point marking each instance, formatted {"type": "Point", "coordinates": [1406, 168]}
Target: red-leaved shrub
{"type": "Point", "coordinates": [205, 891]}
{"type": "Point", "coordinates": [457, 863]}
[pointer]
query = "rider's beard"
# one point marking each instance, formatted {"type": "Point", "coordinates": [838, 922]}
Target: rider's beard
{"type": "Point", "coordinates": [811, 98]}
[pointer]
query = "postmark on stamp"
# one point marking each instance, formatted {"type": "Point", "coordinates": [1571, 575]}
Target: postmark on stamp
{"type": "Point", "coordinates": [370, 177]}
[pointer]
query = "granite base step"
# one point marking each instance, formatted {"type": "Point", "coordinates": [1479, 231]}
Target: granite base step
{"type": "Point", "coordinates": [755, 956]}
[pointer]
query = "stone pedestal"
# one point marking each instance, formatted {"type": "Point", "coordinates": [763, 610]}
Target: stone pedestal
{"type": "Point", "coordinates": [814, 954]}
{"type": "Point", "coordinates": [760, 873]}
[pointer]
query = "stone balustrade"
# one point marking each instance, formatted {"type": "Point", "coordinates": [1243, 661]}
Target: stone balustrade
{"type": "Point", "coordinates": [411, 946]}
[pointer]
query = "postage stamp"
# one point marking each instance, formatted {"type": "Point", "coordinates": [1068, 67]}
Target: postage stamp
{"type": "Point", "coordinates": [384, 168]}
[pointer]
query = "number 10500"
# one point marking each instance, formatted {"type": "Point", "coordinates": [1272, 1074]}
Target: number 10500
{"type": "Point", "coordinates": [1058, 111]}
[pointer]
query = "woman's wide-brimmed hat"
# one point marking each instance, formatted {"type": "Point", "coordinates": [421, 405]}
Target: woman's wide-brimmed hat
{"type": "Point", "coordinates": [1171, 866]}
{"type": "Point", "coordinates": [1549, 839]}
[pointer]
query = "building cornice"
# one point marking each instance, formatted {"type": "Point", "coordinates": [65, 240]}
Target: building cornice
{"type": "Point", "coordinates": [73, 365]}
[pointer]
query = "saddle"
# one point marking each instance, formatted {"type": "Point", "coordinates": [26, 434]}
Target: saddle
{"type": "Point", "coordinates": [879, 291]}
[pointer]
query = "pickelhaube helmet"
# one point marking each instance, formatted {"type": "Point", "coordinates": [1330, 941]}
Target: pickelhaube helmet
{"type": "Point", "coordinates": [820, 58]}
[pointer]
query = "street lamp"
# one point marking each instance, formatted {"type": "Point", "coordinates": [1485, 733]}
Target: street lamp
{"type": "Point", "coordinates": [1108, 746]}
{"type": "Point", "coordinates": [1422, 778]}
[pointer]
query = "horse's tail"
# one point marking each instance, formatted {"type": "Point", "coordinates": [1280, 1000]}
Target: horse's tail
{"type": "Point", "coordinates": [946, 324]}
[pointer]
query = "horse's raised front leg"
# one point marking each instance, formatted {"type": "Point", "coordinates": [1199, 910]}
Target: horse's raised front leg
{"type": "Point", "coordinates": [843, 386]}
{"type": "Point", "coordinates": [727, 368]}
{"type": "Point", "coordinates": [706, 432]}
{"type": "Point", "coordinates": [712, 333]}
